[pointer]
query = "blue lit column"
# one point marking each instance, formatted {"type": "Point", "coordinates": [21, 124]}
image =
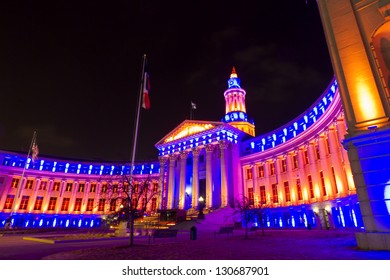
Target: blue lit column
{"type": "Point", "coordinates": [162, 204]}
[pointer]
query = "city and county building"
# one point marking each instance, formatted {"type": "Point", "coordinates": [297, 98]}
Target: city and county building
{"type": "Point", "coordinates": [299, 174]}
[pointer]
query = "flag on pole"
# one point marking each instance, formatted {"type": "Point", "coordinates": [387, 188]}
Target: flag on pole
{"type": "Point", "coordinates": [146, 88]}
{"type": "Point", "coordinates": [35, 151]}
{"type": "Point", "coordinates": [193, 105]}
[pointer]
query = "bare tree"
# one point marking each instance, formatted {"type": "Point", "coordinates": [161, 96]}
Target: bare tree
{"type": "Point", "coordinates": [134, 198]}
{"type": "Point", "coordinates": [248, 212]}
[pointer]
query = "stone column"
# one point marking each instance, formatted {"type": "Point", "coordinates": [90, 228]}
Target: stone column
{"type": "Point", "coordinates": [33, 197]}
{"type": "Point", "coordinates": [325, 167]}
{"type": "Point", "coordinates": [162, 203]}
{"type": "Point", "coordinates": [336, 159]}
{"type": "Point", "coordinates": [209, 176]}
{"type": "Point", "coordinates": [182, 189]}
{"type": "Point", "coordinates": [171, 181]}
{"type": "Point", "coordinates": [46, 198]}
{"type": "Point", "coordinates": [223, 145]}
{"type": "Point", "coordinates": [195, 177]}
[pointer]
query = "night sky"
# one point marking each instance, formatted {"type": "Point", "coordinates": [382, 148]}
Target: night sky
{"type": "Point", "coordinates": [71, 69]}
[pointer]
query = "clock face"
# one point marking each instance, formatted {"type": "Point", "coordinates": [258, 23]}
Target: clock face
{"type": "Point", "coordinates": [233, 83]}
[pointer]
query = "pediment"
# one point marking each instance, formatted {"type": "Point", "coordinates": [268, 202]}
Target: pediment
{"type": "Point", "coordinates": [187, 129]}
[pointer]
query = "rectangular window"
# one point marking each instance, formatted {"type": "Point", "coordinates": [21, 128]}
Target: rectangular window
{"type": "Point", "coordinates": [24, 202]}
{"type": "Point", "coordinates": [113, 205]}
{"type": "Point", "coordinates": [115, 188]}
{"type": "Point", "coordinates": [154, 203]}
{"type": "Point", "coordinates": [249, 174]}
{"type": "Point", "coordinates": [65, 204]}
{"type": "Point", "coordinates": [56, 186]}
{"type": "Point", "coordinates": [29, 184]}
{"type": "Point", "coordinates": [77, 205]}
{"type": "Point", "coordinates": [9, 201]}
{"type": "Point", "coordinates": [334, 179]}
{"type": "Point", "coordinates": [38, 203]}
{"type": "Point", "coordinates": [81, 187]}
{"type": "Point", "coordinates": [52, 204]}
{"type": "Point", "coordinates": [287, 191]}
{"type": "Point", "coordinates": [323, 183]}
{"type": "Point", "coordinates": [104, 188]}
{"type": "Point", "coordinates": [299, 189]}
{"type": "Point", "coordinates": [284, 165]}
{"type": "Point", "coordinates": [155, 187]}
{"type": "Point", "coordinates": [272, 168]}
{"type": "Point", "coordinates": [92, 188]}
{"type": "Point", "coordinates": [68, 187]}
{"type": "Point", "coordinates": [311, 187]}
{"type": "Point", "coordinates": [15, 183]}
{"type": "Point", "coordinates": [275, 198]}
{"type": "Point", "coordinates": [306, 155]}
{"type": "Point", "coordinates": [42, 185]}
{"type": "Point", "coordinates": [318, 152]}
{"type": "Point", "coordinates": [263, 197]}
{"type": "Point", "coordinates": [251, 196]}
{"type": "Point", "coordinates": [102, 203]}
{"type": "Point", "coordinates": [261, 171]}
{"type": "Point", "coordinates": [90, 204]}
{"type": "Point", "coordinates": [136, 187]}
{"type": "Point", "coordinates": [295, 161]}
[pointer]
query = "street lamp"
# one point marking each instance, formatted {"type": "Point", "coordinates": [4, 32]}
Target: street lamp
{"type": "Point", "coordinates": [201, 205]}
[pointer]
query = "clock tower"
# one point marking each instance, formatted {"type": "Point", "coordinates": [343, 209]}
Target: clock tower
{"type": "Point", "coordinates": [235, 109]}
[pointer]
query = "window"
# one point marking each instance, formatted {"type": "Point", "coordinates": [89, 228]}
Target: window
{"type": "Point", "coordinates": [287, 191]}
{"type": "Point", "coordinates": [15, 183]}
{"type": "Point", "coordinates": [275, 198]}
{"type": "Point", "coordinates": [136, 187]}
{"type": "Point", "coordinates": [65, 204]}
{"type": "Point", "coordinates": [317, 152]}
{"type": "Point", "coordinates": [56, 186]}
{"type": "Point", "coordinates": [24, 202]}
{"type": "Point", "coordinates": [306, 155]}
{"type": "Point", "coordinates": [52, 204]}
{"type": "Point", "coordinates": [77, 205]}
{"type": "Point", "coordinates": [154, 203]}
{"type": "Point", "coordinates": [113, 205]}
{"type": "Point", "coordinates": [38, 203]}
{"type": "Point", "coordinates": [250, 196]}
{"type": "Point", "coordinates": [299, 189]}
{"type": "Point", "coordinates": [311, 187]}
{"type": "Point", "coordinates": [102, 203]}
{"type": "Point", "coordinates": [295, 161]}
{"type": "Point", "coordinates": [272, 168]}
{"type": "Point", "coordinates": [68, 187]}
{"type": "Point", "coordinates": [263, 197]}
{"type": "Point", "coordinates": [261, 171]}
{"type": "Point", "coordinates": [81, 187]}
{"type": "Point", "coordinates": [249, 174]}
{"type": "Point", "coordinates": [155, 187]}
{"type": "Point", "coordinates": [115, 188]}
{"type": "Point", "coordinates": [104, 189]}
{"type": "Point", "coordinates": [90, 204]}
{"type": "Point", "coordinates": [42, 185]}
{"type": "Point", "coordinates": [92, 188]}
{"type": "Point", "coordinates": [284, 165]}
{"type": "Point", "coordinates": [29, 184]}
{"type": "Point", "coordinates": [323, 182]}
{"type": "Point", "coordinates": [334, 179]}
{"type": "Point", "coordinates": [9, 201]}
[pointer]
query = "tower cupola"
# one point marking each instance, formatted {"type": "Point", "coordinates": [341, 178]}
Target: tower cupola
{"type": "Point", "coordinates": [235, 109]}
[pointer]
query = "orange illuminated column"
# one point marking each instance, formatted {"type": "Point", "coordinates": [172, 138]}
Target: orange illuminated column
{"type": "Point", "coordinates": [182, 188]}
{"type": "Point", "coordinates": [195, 177]}
{"type": "Point", "coordinates": [223, 145]}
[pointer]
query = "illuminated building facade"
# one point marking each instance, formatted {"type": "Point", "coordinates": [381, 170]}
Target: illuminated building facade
{"type": "Point", "coordinates": [300, 172]}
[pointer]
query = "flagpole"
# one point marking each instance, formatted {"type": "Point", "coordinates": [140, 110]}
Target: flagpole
{"type": "Point", "coordinates": [18, 190]}
{"type": "Point", "coordinates": [137, 118]}
{"type": "Point", "coordinates": [191, 110]}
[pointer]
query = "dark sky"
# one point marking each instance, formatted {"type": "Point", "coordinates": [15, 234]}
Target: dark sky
{"type": "Point", "coordinates": [71, 69]}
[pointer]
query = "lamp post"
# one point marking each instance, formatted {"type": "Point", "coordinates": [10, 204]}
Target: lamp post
{"type": "Point", "coordinates": [201, 205]}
